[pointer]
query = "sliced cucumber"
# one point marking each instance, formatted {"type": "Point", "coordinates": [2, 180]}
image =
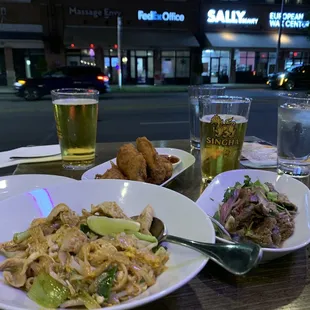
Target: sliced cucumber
{"type": "Point", "coordinates": [102, 225]}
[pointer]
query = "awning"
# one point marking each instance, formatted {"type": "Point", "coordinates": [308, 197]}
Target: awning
{"type": "Point", "coordinates": [131, 38]}
{"type": "Point", "coordinates": [242, 40]}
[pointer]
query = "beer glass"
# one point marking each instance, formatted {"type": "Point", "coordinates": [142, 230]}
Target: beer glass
{"type": "Point", "coordinates": [223, 123]}
{"type": "Point", "coordinates": [194, 93]}
{"type": "Point", "coordinates": [294, 135]}
{"type": "Point", "coordinates": [76, 113]}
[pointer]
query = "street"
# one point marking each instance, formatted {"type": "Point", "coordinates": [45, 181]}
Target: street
{"type": "Point", "coordinates": [125, 116]}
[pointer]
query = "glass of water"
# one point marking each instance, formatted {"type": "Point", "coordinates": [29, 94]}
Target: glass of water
{"type": "Point", "coordinates": [294, 135]}
{"type": "Point", "coordinates": [194, 93]}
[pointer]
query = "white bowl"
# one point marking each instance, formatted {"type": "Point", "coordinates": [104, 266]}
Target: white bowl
{"type": "Point", "coordinates": [296, 191]}
{"type": "Point", "coordinates": [181, 215]}
{"type": "Point", "coordinates": [16, 184]}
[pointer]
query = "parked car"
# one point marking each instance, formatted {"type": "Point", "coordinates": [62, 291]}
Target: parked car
{"type": "Point", "coordinates": [63, 77]}
{"type": "Point", "coordinates": [294, 77]}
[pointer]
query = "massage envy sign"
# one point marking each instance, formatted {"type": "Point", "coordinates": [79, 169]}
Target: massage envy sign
{"type": "Point", "coordinates": [230, 17]}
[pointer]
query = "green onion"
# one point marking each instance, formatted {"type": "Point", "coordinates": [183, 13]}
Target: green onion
{"type": "Point", "coordinates": [20, 237]}
{"type": "Point", "coordinates": [140, 236]}
{"type": "Point", "coordinates": [105, 284]}
{"type": "Point", "coordinates": [89, 302]}
{"type": "Point", "coordinates": [247, 181]}
{"type": "Point", "coordinates": [272, 196]}
{"type": "Point", "coordinates": [47, 292]}
{"type": "Point", "coordinates": [85, 229]}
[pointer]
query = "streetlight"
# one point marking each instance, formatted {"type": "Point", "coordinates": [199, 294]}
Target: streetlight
{"type": "Point", "coordinates": [279, 38]}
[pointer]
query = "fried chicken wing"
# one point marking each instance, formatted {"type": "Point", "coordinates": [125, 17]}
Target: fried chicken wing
{"type": "Point", "coordinates": [131, 163]}
{"type": "Point", "coordinates": [167, 165]}
{"type": "Point", "coordinates": [112, 173]}
{"type": "Point", "coordinates": [159, 169]}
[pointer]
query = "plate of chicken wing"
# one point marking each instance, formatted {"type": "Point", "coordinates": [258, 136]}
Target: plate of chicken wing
{"type": "Point", "coordinates": [142, 162]}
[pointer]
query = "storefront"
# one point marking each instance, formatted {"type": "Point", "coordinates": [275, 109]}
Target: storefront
{"type": "Point", "coordinates": [21, 45]}
{"type": "Point", "coordinates": [156, 43]}
{"type": "Point", "coordinates": [242, 41]}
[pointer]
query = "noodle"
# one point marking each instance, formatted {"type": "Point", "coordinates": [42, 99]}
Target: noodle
{"type": "Point", "coordinates": [109, 268]}
{"type": "Point", "coordinates": [123, 280]}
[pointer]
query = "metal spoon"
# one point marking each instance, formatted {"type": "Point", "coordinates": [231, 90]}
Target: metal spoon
{"type": "Point", "coordinates": [235, 258]}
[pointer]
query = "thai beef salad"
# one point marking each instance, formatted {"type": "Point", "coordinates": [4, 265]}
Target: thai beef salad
{"type": "Point", "coordinates": [256, 212]}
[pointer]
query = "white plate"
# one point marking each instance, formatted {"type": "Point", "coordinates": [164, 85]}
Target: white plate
{"type": "Point", "coordinates": [247, 163]}
{"type": "Point", "coordinates": [177, 211]}
{"type": "Point", "coordinates": [17, 184]}
{"type": "Point", "coordinates": [296, 191]}
{"type": "Point", "coordinates": [36, 151]}
{"type": "Point", "coordinates": [187, 160]}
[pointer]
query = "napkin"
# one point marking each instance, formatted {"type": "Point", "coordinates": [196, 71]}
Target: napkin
{"type": "Point", "coordinates": [34, 154]}
{"type": "Point", "coordinates": [259, 155]}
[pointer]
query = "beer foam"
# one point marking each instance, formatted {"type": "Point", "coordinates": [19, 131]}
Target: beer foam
{"type": "Point", "coordinates": [237, 118]}
{"type": "Point", "coordinates": [75, 101]}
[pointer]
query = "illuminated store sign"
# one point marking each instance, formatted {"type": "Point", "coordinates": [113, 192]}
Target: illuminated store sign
{"type": "Point", "coordinates": [165, 16]}
{"type": "Point", "coordinates": [230, 17]}
{"type": "Point", "coordinates": [105, 13]}
{"type": "Point", "coordinates": [289, 20]}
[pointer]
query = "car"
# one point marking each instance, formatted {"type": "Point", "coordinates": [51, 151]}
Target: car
{"type": "Point", "coordinates": [62, 77]}
{"type": "Point", "coordinates": [294, 77]}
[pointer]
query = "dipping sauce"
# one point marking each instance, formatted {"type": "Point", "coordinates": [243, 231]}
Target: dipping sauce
{"type": "Point", "coordinates": [173, 159]}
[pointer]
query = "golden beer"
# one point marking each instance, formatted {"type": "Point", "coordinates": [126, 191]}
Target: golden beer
{"type": "Point", "coordinates": [221, 143]}
{"type": "Point", "coordinates": [76, 122]}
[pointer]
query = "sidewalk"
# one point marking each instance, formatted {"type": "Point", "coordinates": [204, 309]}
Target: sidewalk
{"type": "Point", "coordinates": [156, 89]}
{"type": "Point", "coordinates": [6, 90]}
{"type": "Point", "coordinates": [176, 88]}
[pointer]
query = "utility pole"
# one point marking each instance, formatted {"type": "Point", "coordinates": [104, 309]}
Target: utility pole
{"type": "Point", "coordinates": [119, 50]}
{"type": "Point", "coordinates": [279, 38]}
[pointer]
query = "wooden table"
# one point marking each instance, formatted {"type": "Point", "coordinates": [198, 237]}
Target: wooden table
{"type": "Point", "coordinates": [280, 284]}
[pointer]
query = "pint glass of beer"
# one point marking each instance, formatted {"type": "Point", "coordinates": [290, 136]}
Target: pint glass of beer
{"type": "Point", "coordinates": [76, 113]}
{"type": "Point", "coordinates": [223, 123]}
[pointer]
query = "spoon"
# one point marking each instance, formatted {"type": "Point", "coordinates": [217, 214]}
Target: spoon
{"type": "Point", "coordinates": [236, 258]}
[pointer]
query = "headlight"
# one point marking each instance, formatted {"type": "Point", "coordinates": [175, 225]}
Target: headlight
{"type": "Point", "coordinates": [21, 82]}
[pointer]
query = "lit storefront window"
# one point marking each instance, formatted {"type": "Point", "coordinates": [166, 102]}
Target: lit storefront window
{"type": "Point", "coordinates": [175, 64]}
{"type": "Point", "coordinates": [216, 65]}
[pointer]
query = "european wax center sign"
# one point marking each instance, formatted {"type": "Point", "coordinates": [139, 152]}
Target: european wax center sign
{"type": "Point", "coordinates": [289, 20]}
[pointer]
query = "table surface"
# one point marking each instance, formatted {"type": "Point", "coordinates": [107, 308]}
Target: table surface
{"type": "Point", "coordinates": [280, 284]}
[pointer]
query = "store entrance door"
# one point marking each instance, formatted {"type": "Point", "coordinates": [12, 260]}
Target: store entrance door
{"type": "Point", "coordinates": [215, 69]}
{"type": "Point", "coordinates": [141, 69]}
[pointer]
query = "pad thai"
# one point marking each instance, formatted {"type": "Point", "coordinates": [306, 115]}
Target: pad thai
{"type": "Point", "coordinates": [95, 260]}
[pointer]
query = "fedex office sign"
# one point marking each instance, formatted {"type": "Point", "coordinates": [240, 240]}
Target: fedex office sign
{"type": "Point", "coordinates": [165, 16]}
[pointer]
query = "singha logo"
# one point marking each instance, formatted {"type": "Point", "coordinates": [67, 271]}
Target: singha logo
{"type": "Point", "coordinates": [223, 129]}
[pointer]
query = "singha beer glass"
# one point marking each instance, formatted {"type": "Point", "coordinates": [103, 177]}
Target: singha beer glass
{"type": "Point", "coordinates": [223, 123]}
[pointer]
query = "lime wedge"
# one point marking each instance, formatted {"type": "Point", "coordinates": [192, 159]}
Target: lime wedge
{"type": "Point", "coordinates": [103, 225]}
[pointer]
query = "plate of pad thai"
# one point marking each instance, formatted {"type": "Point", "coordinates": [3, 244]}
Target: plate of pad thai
{"type": "Point", "coordinates": [76, 245]}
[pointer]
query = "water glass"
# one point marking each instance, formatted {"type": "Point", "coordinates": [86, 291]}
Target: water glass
{"type": "Point", "coordinates": [223, 123]}
{"type": "Point", "coordinates": [76, 114]}
{"type": "Point", "coordinates": [294, 135]}
{"type": "Point", "coordinates": [194, 93]}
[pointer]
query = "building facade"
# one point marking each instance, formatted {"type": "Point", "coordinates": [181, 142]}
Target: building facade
{"type": "Point", "coordinates": [163, 41]}
{"type": "Point", "coordinates": [21, 40]}
{"type": "Point", "coordinates": [159, 39]}
{"type": "Point", "coordinates": [241, 38]}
